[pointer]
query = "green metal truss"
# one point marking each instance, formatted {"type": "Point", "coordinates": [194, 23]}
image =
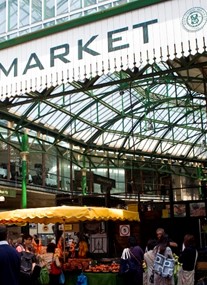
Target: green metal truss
{"type": "Point", "coordinates": [156, 112]}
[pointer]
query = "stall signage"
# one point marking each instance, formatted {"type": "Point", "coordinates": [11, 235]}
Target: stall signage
{"type": "Point", "coordinates": [124, 230]}
{"type": "Point", "coordinates": [8, 193]}
{"type": "Point", "coordinates": [98, 179]}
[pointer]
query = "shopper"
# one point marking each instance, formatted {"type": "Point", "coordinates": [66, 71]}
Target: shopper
{"type": "Point", "coordinates": [149, 257]}
{"type": "Point", "coordinates": [160, 233]}
{"type": "Point", "coordinates": [9, 261]}
{"type": "Point", "coordinates": [163, 249]}
{"type": "Point", "coordinates": [188, 258]}
{"type": "Point", "coordinates": [137, 256]}
{"type": "Point", "coordinates": [37, 244]}
{"type": "Point", "coordinates": [28, 262]}
{"type": "Point", "coordinates": [51, 260]}
{"type": "Point", "coordinates": [26, 241]}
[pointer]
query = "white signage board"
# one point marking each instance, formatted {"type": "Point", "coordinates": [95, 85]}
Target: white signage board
{"type": "Point", "coordinates": [165, 30]}
{"type": "Point", "coordinates": [45, 229]}
{"type": "Point", "coordinates": [98, 243]}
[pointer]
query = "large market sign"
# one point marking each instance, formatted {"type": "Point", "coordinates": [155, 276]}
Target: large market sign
{"type": "Point", "coordinates": [155, 33]}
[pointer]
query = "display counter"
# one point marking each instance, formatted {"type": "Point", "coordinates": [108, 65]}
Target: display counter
{"type": "Point", "coordinates": [98, 278]}
{"type": "Point", "coordinates": [77, 264]}
{"type": "Point", "coordinates": [201, 270]}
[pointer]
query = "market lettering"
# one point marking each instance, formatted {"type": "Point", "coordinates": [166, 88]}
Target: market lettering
{"type": "Point", "coordinates": [13, 65]}
{"type": "Point", "coordinates": [53, 56]}
{"type": "Point", "coordinates": [37, 63]}
{"type": "Point", "coordinates": [145, 29]}
{"type": "Point", "coordinates": [114, 41]}
{"type": "Point", "coordinates": [85, 48]}
{"type": "Point", "coordinates": [111, 40]}
{"type": "Point", "coordinates": [60, 56]}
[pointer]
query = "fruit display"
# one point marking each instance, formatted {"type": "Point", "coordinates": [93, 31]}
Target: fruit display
{"type": "Point", "coordinates": [74, 264]}
{"type": "Point", "coordinates": [88, 265]}
{"type": "Point", "coordinates": [113, 267]}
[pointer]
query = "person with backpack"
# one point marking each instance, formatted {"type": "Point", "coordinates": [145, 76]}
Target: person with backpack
{"type": "Point", "coordinates": [28, 262]}
{"type": "Point", "coordinates": [9, 261]}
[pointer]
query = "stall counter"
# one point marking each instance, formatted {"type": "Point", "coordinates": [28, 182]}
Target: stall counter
{"type": "Point", "coordinates": [98, 278]}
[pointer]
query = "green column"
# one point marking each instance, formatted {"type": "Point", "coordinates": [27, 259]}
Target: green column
{"type": "Point", "coordinates": [24, 154]}
{"type": "Point", "coordinates": [84, 178]}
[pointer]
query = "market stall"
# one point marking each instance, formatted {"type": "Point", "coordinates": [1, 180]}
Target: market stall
{"type": "Point", "coordinates": [104, 272]}
{"type": "Point", "coordinates": [96, 273]}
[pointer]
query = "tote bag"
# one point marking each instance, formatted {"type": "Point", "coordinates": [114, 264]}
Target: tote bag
{"type": "Point", "coordinates": [164, 266]}
{"type": "Point", "coordinates": [127, 264]}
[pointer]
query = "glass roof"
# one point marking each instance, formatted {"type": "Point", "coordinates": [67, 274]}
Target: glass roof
{"type": "Point", "coordinates": [153, 110]}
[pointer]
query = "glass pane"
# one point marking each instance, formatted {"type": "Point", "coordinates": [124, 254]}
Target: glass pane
{"type": "Point", "coordinates": [89, 2]}
{"type": "Point", "coordinates": [75, 4]}
{"type": "Point", "coordinates": [104, 7]}
{"type": "Point", "coordinates": [26, 31]}
{"type": "Point", "coordinates": [49, 24]}
{"type": "Point", "coordinates": [2, 39]}
{"type": "Point", "coordinates": [90, 11]}
{"type": "Point", "coordinates": [75, 16]}
{"type": "Point", "coordinates": [62, 7]}
{"type": "Point", "coordinates": [12, 36]}
{"type": "Point", "coordinates": [24, 13]}
{"type": "Point", "coordinates": [120, 2]}
{"type": "Point", "coordinates": [36, 11]}
{"type": "Point", "coordinates": [2, 17]}
{"type": "Point", "coordinates": [36, 28]}
{"type": "Point", "coordinates": [12, 15]}
{"type": "Point", "coordinates": [62, 20]}
{"type": "Point", "coordinates": [49, 9]}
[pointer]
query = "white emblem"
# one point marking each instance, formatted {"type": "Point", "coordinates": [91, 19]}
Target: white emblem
{"type": "Point", "coordinates": [194, 19]}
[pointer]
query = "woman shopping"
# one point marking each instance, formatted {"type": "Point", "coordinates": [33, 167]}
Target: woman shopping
{"type": "Point", "coordinates": [188, 258]}
{"type": "Point", "coordinates": [136, 254]}
{"type": "Point", "coordinates": [51, 260]}
{"type": "Point", "coordinates": [164, 251]}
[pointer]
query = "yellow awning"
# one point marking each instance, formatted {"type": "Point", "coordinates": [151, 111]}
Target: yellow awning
{"type": "Point", "coordinates": [62, 214]}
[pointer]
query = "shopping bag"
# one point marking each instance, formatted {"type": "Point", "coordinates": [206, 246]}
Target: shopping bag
{"type": "Point", "coordinates": [127, 264]}
{"type": "Point", "coordinates": [164, 266]}
{"type": "Point", "coordinates": [82, 280]}
{"type": "Point", "coordinates": [54, 270]}
{"type": "Point", "coordinates": [62, 278]}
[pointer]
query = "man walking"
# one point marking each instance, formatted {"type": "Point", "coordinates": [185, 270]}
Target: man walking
{"type": "Point", "coordinates": [9, 261]}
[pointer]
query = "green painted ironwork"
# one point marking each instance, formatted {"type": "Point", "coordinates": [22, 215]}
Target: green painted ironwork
{"type": "Point", "coordinates": [84, 177]}
{"type": "Point", "coordinates": [24, 153]}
